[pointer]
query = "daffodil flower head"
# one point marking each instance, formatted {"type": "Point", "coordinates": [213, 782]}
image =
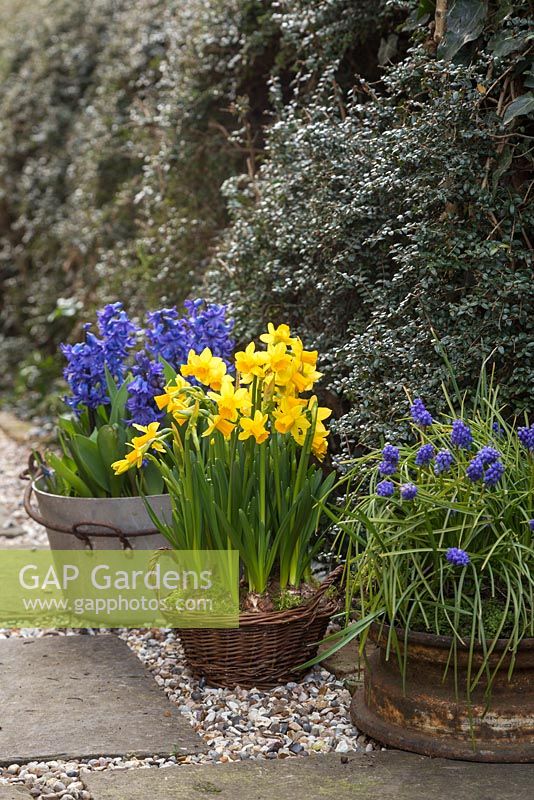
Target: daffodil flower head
{"type": "Point", "coordinates": [319, 444]}
{"type": "Point", "coordinates": [149, 437]}
{"type": "Point", "coordinates": [172, 394]}
{"type": "Point", "coordinates": [206, 368]}
{"type": "Point", "coordinates": [231, 400]}
{"type": "Point", "coordinates": [279, 360]}
{"type": "Point", "coordinates": [250, 363]}
{"type": "Point", "coordinates": [290, 417]}
{"type": "Point", "coordinates": [254, 427]}
{"type": "Point", "coordinates": [130, 460]}
{"type": "Point", "coordinates": [221, 424]}
{"type": "Point", "coordinates": [278, 335]}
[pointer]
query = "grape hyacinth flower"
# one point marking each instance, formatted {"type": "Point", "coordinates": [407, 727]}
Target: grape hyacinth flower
{"type": "Point", "coordinates": [488, 455]}
{"type": "Point", "coordinates": [391, 453]}
{"type": "Point", "coordinates": [387, 468]}
{"type": "Point", "coordinates": [443, 462]}
{"type": "Point", "coordinates": [424, 455]}
{"type": "Point", "coordinates": [494, 473]}
{"type": "Point", "coordinates": [457, 557]}
{"type": "Point", "coordinates": [385, 489]}
{"type": "Point", "coordinates": [390, 462]}
{"type": "Point", "coordinates": [419, 413]}
{"type": "Point", "coordinates": [475, 469]}
{"type": "Point", "coordinates": [408, 491]}
{"type": "Point", "coordinates": [531, 524]}
{"type": "Point", "coordinates": [461, 435]}
{"type": "Point", "coordinates": [496, 428]}
{"type": "Point", "coordinates": [526, 437]}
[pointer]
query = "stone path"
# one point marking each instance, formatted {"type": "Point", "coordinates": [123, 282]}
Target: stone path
{"type": "Point", "coordinates": [16, 529]}
{"type": "Point", "coordinates": [13, 793]}
{"type": "Point", "coordinates": [83, 697]}
{"type": "Point", "coordinates": [379, 776]}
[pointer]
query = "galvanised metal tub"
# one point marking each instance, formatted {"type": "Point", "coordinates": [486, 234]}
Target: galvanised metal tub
{"type": "Point", "coordinates": [109, 523]}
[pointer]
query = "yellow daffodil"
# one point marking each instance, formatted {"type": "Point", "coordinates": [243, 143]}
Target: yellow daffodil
{"type": "Point", "coordinates": [274, 336]}
{"type": "Point", "coordinates": [319, 445]}
{"type": "Point", "coordinates": [304, 374]}
{"type": "Point", "coordinates": [175, 399]}
{"type": "Point", "coordinates": [321, 412]}
{"type": "Point", "coordinates": [148, 439]}
{"type": "Point", "coordinates": [254, 427]}
{"type": "Point", "coordinates": [206, 368]}
{"type": "Point", "coordinates": [250, 363]}
{"type": "Point", "coordinates": [140, 446]}
{"type": "Point", "coordinates": [231, 400]}
{"type": "Point", "coordinates": [290, 418]}
{"type": "Point", "coordinates": [131, 459]}
{"type": "Point", "coordinates": [279, 360]}
{"type": "Point", "coordinates": [304, 378]}
{"type": "Point", "coordinates": [219, 423]}
{"type": "Point", "coordinates": [172, 395]}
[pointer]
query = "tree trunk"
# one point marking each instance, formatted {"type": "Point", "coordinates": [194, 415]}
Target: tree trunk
{"type": "Point", "coordinates": [440, 20]}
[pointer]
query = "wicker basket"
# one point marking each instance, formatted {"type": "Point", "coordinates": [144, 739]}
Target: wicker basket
{"type": "Point", "coordinates": [266, 648]}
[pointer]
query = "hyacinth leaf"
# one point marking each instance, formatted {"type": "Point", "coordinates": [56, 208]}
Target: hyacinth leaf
{"type": "Point", "coordinates": [90, 464]}
{"type": "Point", "coordinates": [68, 425]}
{"type": "Point", "coordinates": [151, 479]}
{"type": "Point", "coordinates": [168, 370]}
{"type": "Point", "coordinates": [118, 405]}
{"type": "Point", "coordinates": [110, 451]}
{"type": "Point", "coordinates": [73, 481]}
{"type": "Point", "coordinates": [110, 384]}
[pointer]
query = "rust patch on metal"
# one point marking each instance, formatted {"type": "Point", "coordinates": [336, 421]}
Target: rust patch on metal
{"type": "Point", "coordinates": [429, 717]}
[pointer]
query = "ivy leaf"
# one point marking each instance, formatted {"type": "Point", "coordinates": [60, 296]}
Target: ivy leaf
{"type": "Point", "coordinates": [465, 22]}
{"type": "Point", "coordinates": [502, 167]}
{"type": "Point", "coordinates": [505, 42]}
{"type": "Point", "coordinates": [520, 106]}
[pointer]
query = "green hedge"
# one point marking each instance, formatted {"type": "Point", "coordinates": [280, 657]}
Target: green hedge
{"type": "Point", "coordinates": [373, 191]}
{"type": "Point", "coordinates": [387, 214]}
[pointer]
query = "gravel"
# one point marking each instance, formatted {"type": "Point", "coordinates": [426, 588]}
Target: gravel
{"type": "Point", "coordinates": [290, 721]}
{"type": "Point", "coordinates": [13, 459]}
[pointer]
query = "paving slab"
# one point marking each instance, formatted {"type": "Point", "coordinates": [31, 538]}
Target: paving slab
{"type": "Point", "coordinates": [84, 697]}
{"type": "Point", "coordinates": [14, 793]}
{"type": "Point", "coordinates": [345, 664]}
{"type": "Point", "coordinates": [17, 429]}
{"type": "Point", "coordinates": [386, 775]}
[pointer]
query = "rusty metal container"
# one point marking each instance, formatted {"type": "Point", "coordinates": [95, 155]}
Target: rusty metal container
{"type": "Point", "coordinates": [429, 716]}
